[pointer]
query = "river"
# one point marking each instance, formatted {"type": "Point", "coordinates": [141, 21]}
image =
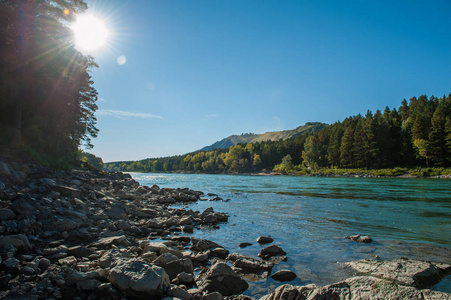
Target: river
{"type": "Point", "coordinates": [310, 216]}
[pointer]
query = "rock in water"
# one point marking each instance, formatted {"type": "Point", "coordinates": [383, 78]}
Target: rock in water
{"type": "Point", "coordinates": [264, 240]}
{"type": "Point", "coordinates": [221, 278]}
{"type": "Point", "coordinates": [284, 275]}
{"type": "Point", "coordinates": [139, 278]}
{"type": "Point", "coordinates": [270, 251]}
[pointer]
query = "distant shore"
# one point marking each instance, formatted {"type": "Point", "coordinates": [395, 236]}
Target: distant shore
{"type": "Point", "coordinates": [349, 174]}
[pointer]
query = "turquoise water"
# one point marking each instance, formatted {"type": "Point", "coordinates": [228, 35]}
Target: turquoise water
{"type": "Point", "coordinates": [310, 216]}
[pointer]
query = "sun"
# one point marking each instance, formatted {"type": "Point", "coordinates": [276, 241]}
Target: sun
{"type": "Point", "coordinates": [90, 32]}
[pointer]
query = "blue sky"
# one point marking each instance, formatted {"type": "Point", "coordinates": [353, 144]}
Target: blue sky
{"type": "Point", "coordinates": [198, 71]}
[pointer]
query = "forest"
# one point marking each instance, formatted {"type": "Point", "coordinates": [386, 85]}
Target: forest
{"type": "Point", "coordinates": [47, 98]}
{"type": "Point", "coordinates": [417, 134]}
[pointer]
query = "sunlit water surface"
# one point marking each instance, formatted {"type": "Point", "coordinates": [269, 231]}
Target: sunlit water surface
{"type": "Point", "coordinates": [310, 216]}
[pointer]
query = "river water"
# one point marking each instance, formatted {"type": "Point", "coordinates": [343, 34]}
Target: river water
{"type": "Point", "coordinates": [310, 216]}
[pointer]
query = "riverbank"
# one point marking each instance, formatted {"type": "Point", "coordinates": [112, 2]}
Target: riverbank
{"type": "Point", "coordinates": [85, 233]}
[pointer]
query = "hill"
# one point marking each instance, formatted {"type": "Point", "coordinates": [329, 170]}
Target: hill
{"type": "Point", "coordinates": [247, 138]}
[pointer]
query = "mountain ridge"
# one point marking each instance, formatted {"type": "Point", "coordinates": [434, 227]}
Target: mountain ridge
{"type": "Point", "coordinates": [246, 138]}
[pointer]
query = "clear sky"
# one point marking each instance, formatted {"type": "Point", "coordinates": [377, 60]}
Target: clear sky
{"type": "Point", "coordinates": [198, 71]}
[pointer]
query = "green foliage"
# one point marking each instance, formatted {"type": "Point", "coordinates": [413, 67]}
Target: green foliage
{"type": "Point", "coordinates": [47, 99]}
{"type": "Point", "coordinates": [91, 159]}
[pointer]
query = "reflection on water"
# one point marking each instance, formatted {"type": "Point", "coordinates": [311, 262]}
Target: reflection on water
{"type": "Point", "coordinates": [309, 216]}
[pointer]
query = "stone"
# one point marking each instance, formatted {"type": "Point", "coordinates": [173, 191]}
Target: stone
{"type": "Point", "coordinates": [107, 242]}
{"type": "Point", "coordinates": [420, 274]}
{"type": "Point", "coordinates": [264, 240]}
{"type": "Point", "coordinates": [284, 275]}
{"type": "Point", "coordinates": [89, 284]}
{"type": "Point", "coordinates": [185, 278]}
{"type": "Point", "coordinates": [360, 238]}
{"type": "Point", "coordinates": [6, 214]}
{"type": "Point", "coordinates": [139, 277]}
{"type": "Point", "coordinates": [80, 251]}
{"type": "Point", "coordinates": [270, 251]}
{"type": "Point", "coordinates": [219, 252]}
{"type": "Point", "coordinates": [213, 296]}
{"type": "Point", "coordinates": [188, 228]}
{"type": "Point", "coordinates": [202, 244]}
{"type": "Point", "coordinates": [355, 288]}
{"type": "Point", "coordinates": [244, 245]}
{"type": "Point", "coordinates": [4, 170]}
{"type": "Point", "coordinates": [11, 262]}
{"type": "Point", "coordinates": [221, 278]}
{"type": "Point", "coordinates": [19, 241]}
{"type": "Point", "coordinates": [67, 261]}
{"type": "Point", "coordinates": [178, 292]}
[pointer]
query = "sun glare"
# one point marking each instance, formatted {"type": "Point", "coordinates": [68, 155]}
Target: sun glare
{"type": "Point", "coordinates": [90, 33]}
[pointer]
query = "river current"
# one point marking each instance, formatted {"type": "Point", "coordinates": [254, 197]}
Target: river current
{"type": "Point", "coordinates": [310, 216]}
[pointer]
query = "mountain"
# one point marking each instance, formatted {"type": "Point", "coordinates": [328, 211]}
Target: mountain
{"type": "Point", "coordinates": [273, 136]}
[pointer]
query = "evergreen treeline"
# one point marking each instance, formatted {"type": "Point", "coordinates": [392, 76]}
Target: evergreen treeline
{"type": "Point", "coordinates": [47, 98]}
{"type": "Point", "coordinates": [417, 134]}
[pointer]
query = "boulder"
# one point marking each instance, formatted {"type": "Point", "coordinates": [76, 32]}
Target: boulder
{"type": "Point", "coordinates": [202, 245]}
{"type": "Point", "coordinates": [270, 251]}
{"type": "Point", "coordinates": [109, 241]}
{"type": "Point", "coordinates": [244, 245]}
{"type": "Point", "coordinates": [249, 264]}
{"type": "Point", "coordinates": [264, 240]}
{"type": "Point", "coordinates": [19, 241]}
{"type": "Point", "coordinates": [360, 238]}
{"type": "Point", "coordinates": [138, 277]}
{"type": "Point", "coordinates": [355, 288]}
{"type": "Point", "coordinates": [6, 214]}
{"type": "Point", "coordinates": [402, 271]}
{"type": "Point", "coordinates": [221, 278]}
{"type": "Point", "coordinates": [284, 275]}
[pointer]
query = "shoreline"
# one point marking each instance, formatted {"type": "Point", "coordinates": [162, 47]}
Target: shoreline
{"type": "Point", "coordinates": [88, 234]}
{"type": "Point", "coordinates": [338, 175]}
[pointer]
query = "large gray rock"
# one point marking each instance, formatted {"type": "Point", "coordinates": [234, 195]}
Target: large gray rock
{"type": "Point", "coordinates": [221, 278]}
{"type": "Point", "coordinates": [138, 277]}
{"type": "Point", "coordinates": [355, 288]}
{"type": "Point", "coordinates": [402, 271]}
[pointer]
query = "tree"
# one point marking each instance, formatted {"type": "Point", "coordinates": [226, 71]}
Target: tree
{"type": "Point", "coordinates": [311, 152]}
{"type": "Point", "coordinates": [48, 100]}
{"type": "Point", "coordinates": [422, 149]}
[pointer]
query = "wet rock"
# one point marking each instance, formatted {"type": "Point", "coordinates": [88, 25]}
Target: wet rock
{"type": "Point", "coordinates": [249, 264]}
{"type": "Point", "coordinates": [269, 251]}
{"type": "Point", "coordinates": [138, 277]}
{"type": "Point", "coordinates": [360, 238]}
{"type": "Point", "coordinates": [188, 228]}
{"type": "Point", "coordinates": [221, 278]}
{"type": "Point", "coordinates": [244, 245]}
{"type": "Point", "coordinates": [284, 275]}
{"type": "Point", "coordinates": [264, 240]}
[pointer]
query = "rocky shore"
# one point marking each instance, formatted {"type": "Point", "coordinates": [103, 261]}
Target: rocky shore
{"type": "Point", "coordinates": [87, 234]}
